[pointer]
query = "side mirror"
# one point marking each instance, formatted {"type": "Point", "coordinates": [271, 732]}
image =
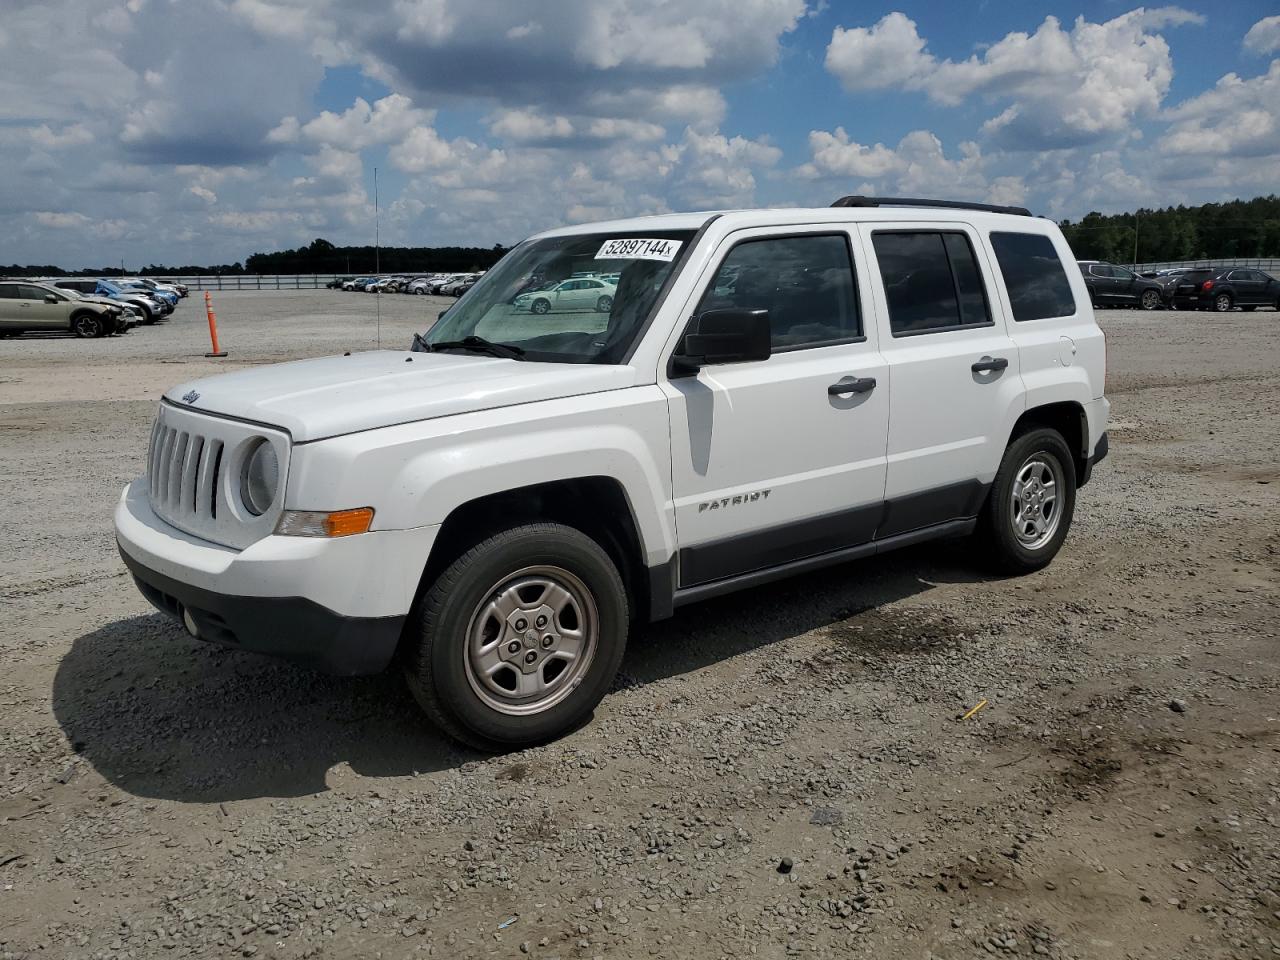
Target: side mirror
{"type": "Point", "coordinates": [725, 336]}
{"type": "Point", "coordinates": [50, 298]}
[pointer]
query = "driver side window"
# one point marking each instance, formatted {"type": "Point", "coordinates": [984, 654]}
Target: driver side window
{"type": "Point", "coordinates": [805, 282]}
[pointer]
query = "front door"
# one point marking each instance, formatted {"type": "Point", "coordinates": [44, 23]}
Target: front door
{"type": "Point", "coordinates": [781, 459]}
{"type": "Point", "coordinates": [43, 315]}
{"type": "Point", "coordinates": [954, 368]}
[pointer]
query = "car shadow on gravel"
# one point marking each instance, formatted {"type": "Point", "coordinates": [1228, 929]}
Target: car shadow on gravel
{"type": "Point", "coordinates": [715, 630]}
{"type": "Point", "coordinates": [161, 715]}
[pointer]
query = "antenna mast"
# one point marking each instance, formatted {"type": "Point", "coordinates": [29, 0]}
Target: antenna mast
{"type": "Point", "coordinates": [377, 254]}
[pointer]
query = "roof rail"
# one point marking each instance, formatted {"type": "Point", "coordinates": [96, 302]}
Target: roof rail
{"type": "Point", "coordinates": [858, 201]}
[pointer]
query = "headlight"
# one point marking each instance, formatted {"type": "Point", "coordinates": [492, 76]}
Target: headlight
{"type": "Point", "coordinates": [260, 480]}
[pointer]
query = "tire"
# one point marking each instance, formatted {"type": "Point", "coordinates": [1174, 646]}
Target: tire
{"type": "Point", "coordinates": [604, 304]}
{"type": "Point", "coordinates": [540, 307]}
{"type": "Point", "coordinates": [418, 291]}
{"type": "Point", "coordinates": [1040, 453]}
{"type": "Point", "coordinates": [148, 317]}
{"type": "Point", "coordinates": [486, 593]}
{"type": "Point", "coordinates": [86, 325]}
{"type": "Point", "coordinates": [1222, 303]}
{"type": "Point", "coordinates": [1150, 299]}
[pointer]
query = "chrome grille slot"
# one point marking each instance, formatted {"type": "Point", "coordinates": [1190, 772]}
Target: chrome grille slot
{"type": "Point", "coordinates": [191, 459]}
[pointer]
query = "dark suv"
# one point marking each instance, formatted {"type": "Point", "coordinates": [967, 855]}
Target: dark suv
{"type": "Point", "coordinates": [1112, 286]}
{"type": "Point", "coordinates": [1222, 288]}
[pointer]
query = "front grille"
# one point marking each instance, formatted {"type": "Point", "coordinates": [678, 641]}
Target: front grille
{"type": "Point", "coordinates": [194, 462]}
{"type": "Point", "coordinates": [182, 468]}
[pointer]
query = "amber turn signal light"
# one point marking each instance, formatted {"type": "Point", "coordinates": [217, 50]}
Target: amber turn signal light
{"type": "Point", "coordinates": [338, 523]}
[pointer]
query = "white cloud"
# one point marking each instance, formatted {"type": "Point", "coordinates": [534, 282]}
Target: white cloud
{"type": "Point", "coordinates": [889, 54]}
{"type": "Point", "coordinates": [361, 125]}
{"type": "Point", "coordinates": [1263, 36]}
{"type": "Point", "coordinates": [61, 220]}
{"type": "Point", "coordinates": [1236, 118]}
{"type": "Point", "coordinates": [1066, 87]}
{"type": "Point", "coordinates": [835, 155]}
{"type": "Point", "coordinates": [72, 135]}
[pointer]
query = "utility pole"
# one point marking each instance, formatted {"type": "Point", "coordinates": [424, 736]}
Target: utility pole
{"type": "Point", "coordinates": [1136, 214]}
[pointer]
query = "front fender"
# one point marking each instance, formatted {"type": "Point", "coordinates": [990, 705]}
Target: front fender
{"type": "Point", "coordinates": [417, 474]}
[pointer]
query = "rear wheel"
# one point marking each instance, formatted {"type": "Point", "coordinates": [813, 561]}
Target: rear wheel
{"type": "Point", "coordinates": [1222, 302]}
{"type": "Point", "coordinates": [1150, 299]}
{"type": "Point", "coordinates": [604, 304]}
{"type": "Point", "coordinates": [86, 325]}
{"type": "Point", "coordinates": [520, 638]}
{"type": "Point", "coordinates": [1031, 504]}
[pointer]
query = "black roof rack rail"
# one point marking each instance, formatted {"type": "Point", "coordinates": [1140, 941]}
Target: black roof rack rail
{"type": "Point", "coordinates": [858, 201]}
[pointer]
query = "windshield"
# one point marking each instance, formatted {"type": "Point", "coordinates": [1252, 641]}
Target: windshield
{"type": "Point", "coordinates": [582, 298]}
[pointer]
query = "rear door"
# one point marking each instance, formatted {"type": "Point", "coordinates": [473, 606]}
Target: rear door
{"type": "Point", "coordinates": [955, 371]}
{"type": "Point", "coordinates": [1104, 283]}
{"type": "Point", "coordinates": [11, 317]}
{"type": "Point", "coordinates": [772, 461]}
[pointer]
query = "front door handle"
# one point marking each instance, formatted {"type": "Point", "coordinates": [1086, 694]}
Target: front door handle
{"type": "Point", "coordinates": [852, 385]}
{"type": "Point", "coordinates": [988, 364]}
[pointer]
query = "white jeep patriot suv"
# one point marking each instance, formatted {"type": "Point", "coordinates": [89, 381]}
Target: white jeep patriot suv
{"type": "Point", "coordinates": [760, 393]}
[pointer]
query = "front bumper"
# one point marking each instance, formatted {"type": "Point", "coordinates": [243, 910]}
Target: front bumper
{"type": "Point", "coordinates": [333, 605]}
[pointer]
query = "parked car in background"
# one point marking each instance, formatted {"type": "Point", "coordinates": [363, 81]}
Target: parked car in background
{"type": "Point", "coordinates": [29, 305]}
{"type": "Point", "coordinates": [586, 293]}
{"type": "Point", "coordinates": [152, 309]}
{"type": "Point", "coordinates": [178, 291]}
{"type": "Point", "coordinates": [1113, 286]}
{"type": "Point", "coordinates": [355, 283]}
{"type": "Point", "coordinates": [129, 315]}
{"type": "Point", "coordinates": [1225, 288]}
{"type": "Point", "coordinates": [462, 286]}
{"type": "Point", "coordinates": [160, 292]}
{"type": "Point", "coordinates": [337, 283]}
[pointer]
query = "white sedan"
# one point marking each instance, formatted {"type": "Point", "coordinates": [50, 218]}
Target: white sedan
{"type": "Point", "coordinates": [583, 293]}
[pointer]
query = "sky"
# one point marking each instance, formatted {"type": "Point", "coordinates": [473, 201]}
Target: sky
{"type": "Point", "coordinates": [201, 131]}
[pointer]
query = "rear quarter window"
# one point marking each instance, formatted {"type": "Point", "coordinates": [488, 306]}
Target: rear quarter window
{"type": "Point", "coordinates": [1033, 275]}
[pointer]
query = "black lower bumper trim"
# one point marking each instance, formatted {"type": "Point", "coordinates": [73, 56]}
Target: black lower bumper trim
{"type": "Point", "coordinates": [293, 628]}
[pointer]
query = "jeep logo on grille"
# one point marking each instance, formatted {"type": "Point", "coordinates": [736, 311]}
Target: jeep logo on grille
{"type": "Point", "coordinates": [190, 396]}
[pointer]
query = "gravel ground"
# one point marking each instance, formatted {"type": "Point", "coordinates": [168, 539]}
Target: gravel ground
{"type": "Point", "coordinates": [779, 774]}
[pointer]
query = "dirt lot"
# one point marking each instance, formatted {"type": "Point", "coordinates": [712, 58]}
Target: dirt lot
{"type": "Point", "coordinates": [1119, 795]}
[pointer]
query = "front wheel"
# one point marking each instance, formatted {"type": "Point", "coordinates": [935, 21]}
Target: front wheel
{"type": "Point", "coordinates": [1150, 299]}
{"type": "Point", "coordinates": [1031, 503]}
{"type": "Point", "coordinates": [86, 325]}
{"type": "Point", "coordinates": [520, 638]}
{"type": "Point", "coordinates": [540, 306]}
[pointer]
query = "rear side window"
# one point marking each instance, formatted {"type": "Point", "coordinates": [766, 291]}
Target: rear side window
{"type": "Point", "coordinates": [931, 280]}
{"type": "Point", "coordinates": [805, 282]}
{"type": "Point", "coordinates": [1033, 275]}
{"type": "Point", "coordinates": [9, 291]}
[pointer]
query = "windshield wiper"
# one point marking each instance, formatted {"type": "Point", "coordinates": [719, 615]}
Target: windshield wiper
{"type": "Point", "coordinates": [479, 345]}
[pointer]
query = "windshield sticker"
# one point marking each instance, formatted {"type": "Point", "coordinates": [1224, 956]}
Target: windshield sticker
{"type": "Point", "coordinates": [639, 249]}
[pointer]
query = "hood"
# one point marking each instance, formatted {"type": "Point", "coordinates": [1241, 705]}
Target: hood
{"type": "Point", "coordinates": [330, 396]}
{"type": "Point", "coordinates": [102, 301]}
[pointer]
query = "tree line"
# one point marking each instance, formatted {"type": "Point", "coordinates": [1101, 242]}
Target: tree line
{"type": "Point", "coordinates": [1238, 228]}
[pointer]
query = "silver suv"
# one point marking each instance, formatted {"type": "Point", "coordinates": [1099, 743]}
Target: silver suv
{"type": "Point", "coordinates": [26, 305]}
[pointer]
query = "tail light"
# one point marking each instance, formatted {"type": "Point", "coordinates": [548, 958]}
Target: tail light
{"type": "Point", "coordinates": [1207, 286]}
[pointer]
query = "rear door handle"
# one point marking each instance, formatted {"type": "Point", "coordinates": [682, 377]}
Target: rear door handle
{"type": "Point", "coordinates": [988, 364]}
{"type": "Point", "coordinates": [852, 385]}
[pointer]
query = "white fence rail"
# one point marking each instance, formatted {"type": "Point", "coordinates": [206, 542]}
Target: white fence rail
{"type": "Point", "coordinates": [243, 281]}
{"type": "Point", "coordinates": [1270, 264]}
